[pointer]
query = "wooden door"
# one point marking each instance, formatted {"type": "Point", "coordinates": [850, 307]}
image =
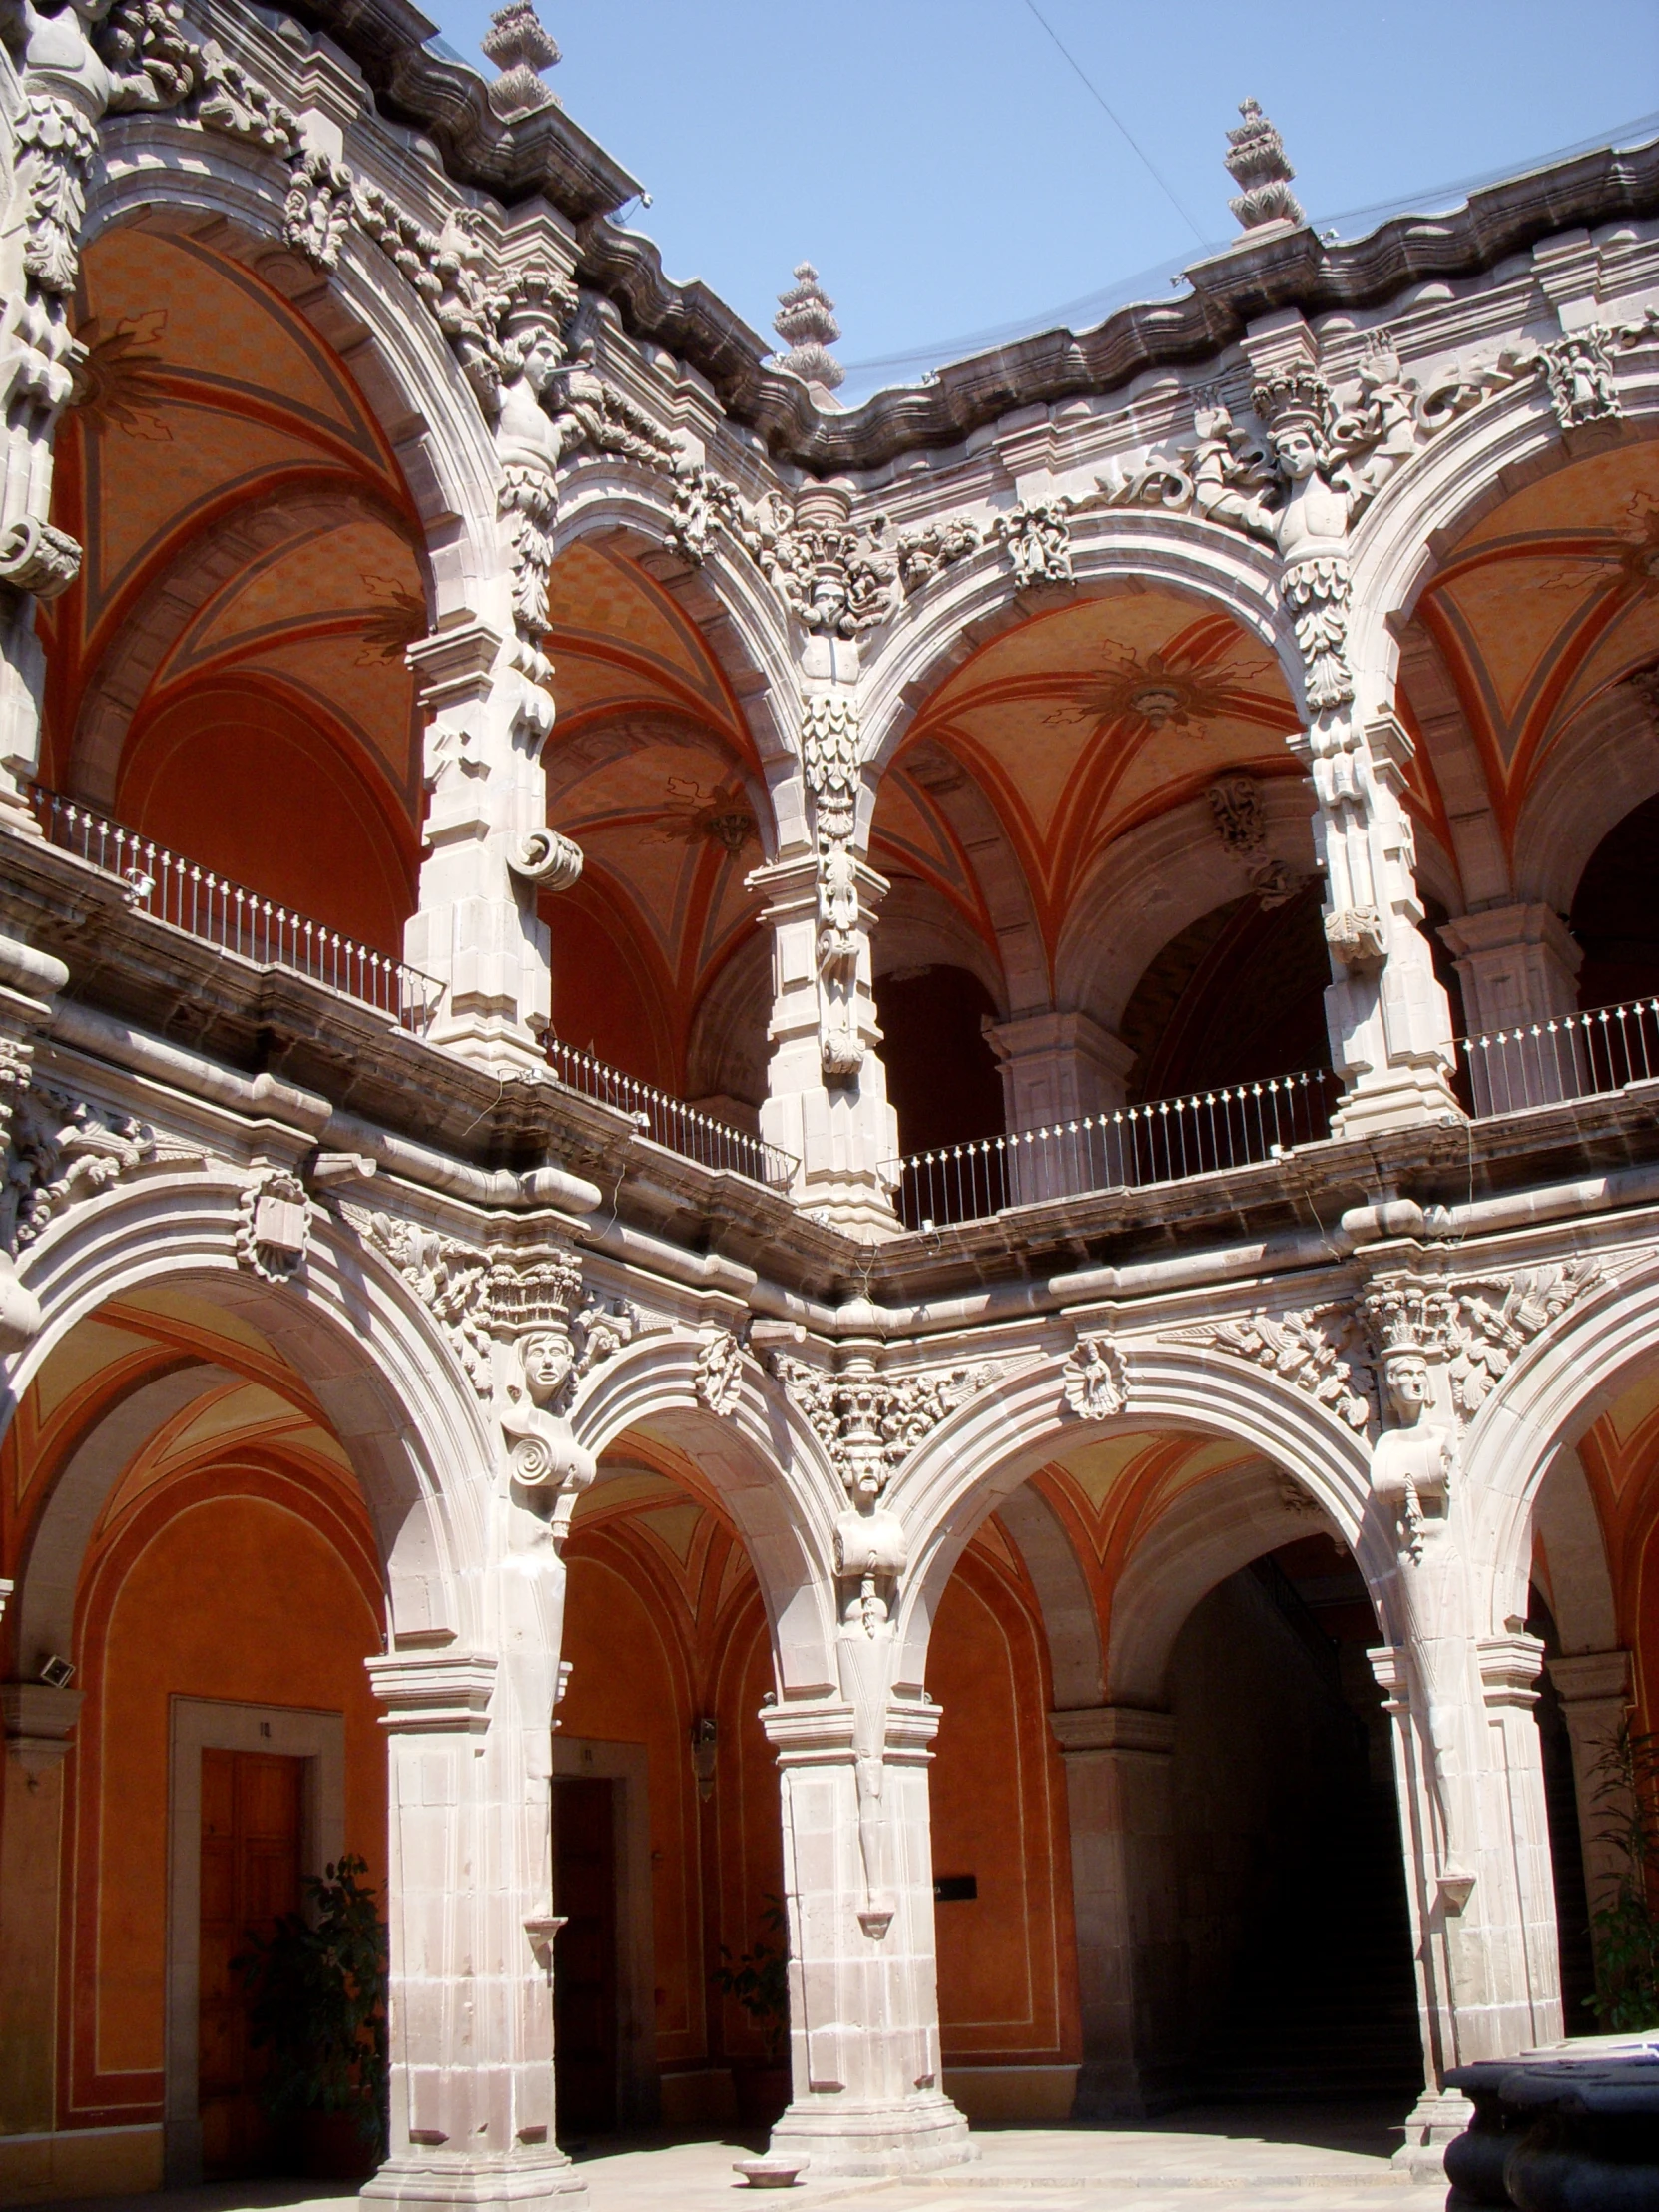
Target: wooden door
{"type": "Point", "coordinates": [584, 1958]}
{"type": "Point", "coordinates": [251, 1816]}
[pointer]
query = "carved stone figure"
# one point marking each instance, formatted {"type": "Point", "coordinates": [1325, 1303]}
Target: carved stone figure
{"type": "Point", "coordinates": [1096, 1379]}
{"type": "Point", "coordinates": [317, 211]}
{"type": "Point", "coordinates": [1413, 1466]}
{"type": "Point", "coordinates": [718, 1378]}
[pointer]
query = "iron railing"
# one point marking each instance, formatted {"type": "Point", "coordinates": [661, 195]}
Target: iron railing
{"type": "Point", "coordinates": [1160, 1142]}
{"type": "Point", "coordinates": [1539, 1063]}
{"type": "Point", "coordinates": [669, 1121]}
{"type": "Point", "coordinates": [207, 906]}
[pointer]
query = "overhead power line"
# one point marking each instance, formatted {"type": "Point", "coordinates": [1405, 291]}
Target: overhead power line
{"type": "Point", "coordinates": [1139, 151]}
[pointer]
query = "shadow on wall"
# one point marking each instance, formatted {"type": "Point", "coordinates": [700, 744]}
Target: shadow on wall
{"type": "Point", "coordinates": [1613, 915]}
{"type": "Point", "coordinates": [942, 1072]}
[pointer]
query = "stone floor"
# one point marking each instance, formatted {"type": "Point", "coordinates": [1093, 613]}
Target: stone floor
{"type": "Point", "coordinates": [1255, 2159]}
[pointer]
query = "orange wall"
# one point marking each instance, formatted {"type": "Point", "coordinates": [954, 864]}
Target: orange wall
{"type": "Point", "coordinates": [641, 1672]}
{"type": "Point", "coordinates": [239, 1596]}
{"type": "Point", "coordinates": [1007, 1960]}
{"type": "Point", "coordinates": [243, 783]}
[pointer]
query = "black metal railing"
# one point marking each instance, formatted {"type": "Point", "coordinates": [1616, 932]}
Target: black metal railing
{"type": "Point", "coordinates": [1161, 1142]}
{"type": "Point", "coordinates": [669, 1121]}
{"type": "Point", "coordinates": [1539, 1063]}
{"type": "Point", "coordinates": [231, 918]}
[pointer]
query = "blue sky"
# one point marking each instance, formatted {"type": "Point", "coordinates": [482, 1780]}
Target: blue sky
{"type": "Point", "coordinates": [951, 176]}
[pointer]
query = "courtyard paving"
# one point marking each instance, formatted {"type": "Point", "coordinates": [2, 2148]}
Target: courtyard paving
{"type": "Point", "coordinates": [1204, 2161]}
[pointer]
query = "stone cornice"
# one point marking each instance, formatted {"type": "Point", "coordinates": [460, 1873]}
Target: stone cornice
{"type": "Point", "coordinates": [549, 154]}
{"type": "Point", "coordinates": [1292, 268]}
{"type": "Point", "coordinates": [545, 153]}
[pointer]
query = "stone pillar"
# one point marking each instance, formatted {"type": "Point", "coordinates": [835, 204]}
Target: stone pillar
{"type": "Point", "coordinates": [470, 1878]}
{"type": "Point", "coordinates": [39, 1722]}
{"type": "Point", "coordinates": [1595, 1692]}
{"type": "Point", "coordinates": [863, 1992]}
{"type": "Point", "coordinates": [1518, 966]}
{"type": "Point", "coordinates": [1390, 1019]}
{"type": "Point", "coordinates": [488, 850]}
{"type": "Point", "coordinates": [1056, 1069]}
{"type": "Point", "coordinates": [1483, 1922]}
{"type": "Point", "coordinates": [1123, 1882]}
{"type": "Point", "coordinates": [830, 1111]}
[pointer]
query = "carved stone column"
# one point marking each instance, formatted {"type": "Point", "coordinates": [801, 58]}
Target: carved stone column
{"type": "Point", "coordinates": [1390, 1019]}
{"type": "Point", "coordinates": [29, 984]}
{"type": "Point", "coordinates": [1123, 1884]}
{"type": "Point", "coordinates": [471, 2002]}
{"type": "Point", "coordinates": [1595, 1692]}
{"type": "Point", "coordinates": [1518, 966]}
{"type": "Point", "coordinates": [864, 1993]}
{"type": "Point", "coordinates": [39, 1723]}
{"type": "Point", "coordinates": [826, 1101]}
{"type": "Point", "coordinates": [487, 849]}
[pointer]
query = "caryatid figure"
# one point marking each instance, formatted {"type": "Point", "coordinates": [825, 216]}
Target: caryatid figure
{"type": "Point", "coordinates": [1414, 1477]}
{"type": "Point", "coordinates": [871, 1555]}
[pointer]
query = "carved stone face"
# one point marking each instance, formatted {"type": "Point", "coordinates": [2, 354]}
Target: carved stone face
{"type": "Point", "coordinates": [547, 1364]}
{"type": "Point", "coordinates": [1297, 454]}
{"type": "Point", "coordinates": [1409, 1385]}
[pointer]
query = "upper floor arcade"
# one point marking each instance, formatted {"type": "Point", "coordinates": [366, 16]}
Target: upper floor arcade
{"type": "Point", "coordinates": [1008, 755]}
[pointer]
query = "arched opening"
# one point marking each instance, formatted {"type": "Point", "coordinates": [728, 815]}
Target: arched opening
{"type": "Point", "coordinates": [1159, 1645]}
{"type": "Point", "coordinates": [943, 1076]}
{"type": "Point", "coordinates": [1236, 997]}
{"type": "Point", "coordinates": [667, 1844]}
{"type": "Point", "coordinates": [1613, 913]}
{"type": "Point", "coordinates": [227, 673]}
{"type": "Point", "coordinates": [195, 1544]}
{"type": "Point", "coordinates": [651, 767]}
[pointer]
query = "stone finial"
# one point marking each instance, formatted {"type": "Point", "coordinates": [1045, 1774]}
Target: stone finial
{"type": "Point", "coordinates": [522, 50]}
{"type": "Point", "coordinates": [806, 324]}
{"type": "Point", "coordinates": [1257, 163]}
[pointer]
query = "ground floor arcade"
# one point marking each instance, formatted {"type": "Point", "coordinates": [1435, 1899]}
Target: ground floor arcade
{"type": "Point", "coordinates": [1159, 1817]}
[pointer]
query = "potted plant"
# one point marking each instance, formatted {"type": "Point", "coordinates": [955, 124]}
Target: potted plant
{"type": "Point", "coordinates": [318, 1992]}
{"type": "Point", "coordinates": [760, 1980]}
{"type": "Point", "coordinates": [1627, 1928]}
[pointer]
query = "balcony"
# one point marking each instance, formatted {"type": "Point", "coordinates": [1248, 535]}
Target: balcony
{"type": "Point", "coordinates": [1504, 1072]}
{"type": "Point", "coordinates": [245, 925]}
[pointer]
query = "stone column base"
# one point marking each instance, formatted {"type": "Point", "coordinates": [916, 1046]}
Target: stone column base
{"type": "Point", "coordinates": [461, 2184]}
{"type": "Point", "coordinates": [1437, 2116]}
{"type": "Point", "coordinates": [923, 2134]}
{"type": "Point", "coordinates": [1395, 1098]}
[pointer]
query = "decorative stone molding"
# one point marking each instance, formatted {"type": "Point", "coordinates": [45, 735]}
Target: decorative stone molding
{"type": "Point", "coordinates": [1475, 1326]}
{"type": "Point", "coordinates": [448, 1277]}
{"type": "Point", "coordinates": [869, 1424]}
{"type": "Point", "coordinates": [1095, 1379]}
{"type": "Point", "coordinates": [272, 1235]}
{"type": "Point", "coordinates": [317, 211]}
{"type": "Point", "coordinates": [1580, 377]}
{"type": "Point", "coordinates": [1314, 1350]}
{"type": "Point", "coordinates": [829, 760]}
{"type": "Point", "coordinates": [717, 1380]}
{"type": "Point", "coordinates": [927, 552]}
{"type": "Point", "coordinates": [39, 1722]}
{"type": "Point", "coordinates": [63, 1150]}
{"type": "Point", "coordinates": [547, 858]}
{"type": "Point", "coordinates": [1241, 825]}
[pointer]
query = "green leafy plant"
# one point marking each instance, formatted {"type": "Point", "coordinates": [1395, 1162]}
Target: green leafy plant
{"type": "Point", "coordinates": [1627, 1929]}
{"type": "Point", "coordinates": [760, 1980]}
{"type": "Point", "coordinates": [317, 1990]}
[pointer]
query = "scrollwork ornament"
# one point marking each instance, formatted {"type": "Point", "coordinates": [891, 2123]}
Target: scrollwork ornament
{"type": "Point", "coordinates": [63, 1151]}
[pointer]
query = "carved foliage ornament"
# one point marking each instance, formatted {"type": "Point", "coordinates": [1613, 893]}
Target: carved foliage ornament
{"type": "Point", "coordinates": [836, 576]}
{"type": "Point", "coordinates": [718, 1378]}
{"type": "Point", "coordinates": [63, 1150]}
{"type": "Point", "coordinates": [868, 1423]}
{"type": "Point", "coordinates": [1476, 1324]}
{"type": "Point", "coordinates": [1317, 1350]}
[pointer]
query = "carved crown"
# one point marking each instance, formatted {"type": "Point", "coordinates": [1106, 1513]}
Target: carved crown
{"type": "Point", "coordinates": [1410, 1317]}
{"type": "Point", "coordinates": [536, 1291]}
{"type": "Point", "coordinates": [1293, 395]}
